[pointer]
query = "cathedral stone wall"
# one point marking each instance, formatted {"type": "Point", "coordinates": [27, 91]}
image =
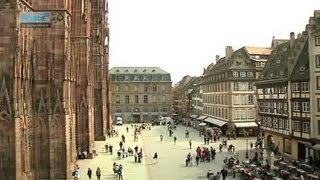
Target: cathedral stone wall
{"type": "Point", "coordinates": [47, 93]}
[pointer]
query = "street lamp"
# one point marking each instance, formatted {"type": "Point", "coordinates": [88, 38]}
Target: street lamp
{"type": "Point", "coordinates": [247, 155]}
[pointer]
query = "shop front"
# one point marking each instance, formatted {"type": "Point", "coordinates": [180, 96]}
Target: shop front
{"type": "Point", "coordinates": [214, 122]}
{"type": "Point", "coordinates": [246, 128]}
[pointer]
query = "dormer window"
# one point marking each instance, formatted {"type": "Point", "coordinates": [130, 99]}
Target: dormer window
{"type": "Point", "coordinates": [302, 68]}
{"type": "Point", "coordinates": [153, 70]}
{"type": "Point", "coordinates": [117, 70]}
{"type": "Point", "coordinates": [144, 70]}
{"type": "Point", "coordinates": [135, 70]}
{"type": "Point", "coordinates": [126, 70]}
{"type": "Point", "coordinates": [278, 61]}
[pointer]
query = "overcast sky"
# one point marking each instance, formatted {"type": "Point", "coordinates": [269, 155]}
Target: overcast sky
{"type": "Point", "coordinates": [183, 36]}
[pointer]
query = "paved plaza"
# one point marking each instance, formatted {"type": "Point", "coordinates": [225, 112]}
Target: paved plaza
{"type": "Point", "coordinates": [171, 161]}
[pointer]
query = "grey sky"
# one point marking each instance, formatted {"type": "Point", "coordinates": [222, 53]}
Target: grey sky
{"type": "Point", "coordinates": [183, 36]}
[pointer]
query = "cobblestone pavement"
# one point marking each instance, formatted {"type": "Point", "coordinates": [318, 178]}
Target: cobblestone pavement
{"type": "Point", "coordinates": [171, 161]}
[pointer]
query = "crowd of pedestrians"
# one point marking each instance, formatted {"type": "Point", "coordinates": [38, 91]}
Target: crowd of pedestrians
{"type": "Point", "coordinates": [203, 154]}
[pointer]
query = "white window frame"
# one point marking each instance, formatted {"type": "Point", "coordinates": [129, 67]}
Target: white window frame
{"type": "Point", "coordinates": [296, 126]}
{"type": "Point", "coordinates": [306, 127]}
{"type": "Point", "coordinates": [296, 106]}
{"type": "Point", "coordinates": [243, 74]}
{"type": "Point", "coordinates": [305, 106]}
{"type": "Point", "coordinates": [296, 87]}
{"type": "Point", "coordinates": [286, 124]}
{"type": "Point", "coordinates": [236, 84]}
{"type": "Point", "coordinates": [235, 74]}
{"type": "Point", "coordinates": [281, 125]}
{"type": "Point", "coordinates": [249, 74]}
{"type": "Point", "coordinates": [305, 86]}
{"type": "Point", "coordinates": [250, 86]}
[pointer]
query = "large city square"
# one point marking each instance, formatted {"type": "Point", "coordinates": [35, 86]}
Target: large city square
{"type": "Point", "coordinates": [171, 162]}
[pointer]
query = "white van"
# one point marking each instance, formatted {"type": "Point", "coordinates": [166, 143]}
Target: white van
{"type": "Point", "coordinates": [165, 120]}
{"type": "Point", "coordinates": [119, 121]}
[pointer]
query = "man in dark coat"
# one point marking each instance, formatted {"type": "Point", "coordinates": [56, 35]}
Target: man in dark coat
{"type": "Point", "coordinates": [224, 173]}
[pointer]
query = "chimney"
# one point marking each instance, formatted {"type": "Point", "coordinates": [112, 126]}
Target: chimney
{"type": "Point", "coordinates": [292, 38]}
{"type": "Point", "coordinates": [229, 52]}
{"type": "Point", "coordinates": [217, 58]}
{"type": "Point", "coordinates": [204, 70]}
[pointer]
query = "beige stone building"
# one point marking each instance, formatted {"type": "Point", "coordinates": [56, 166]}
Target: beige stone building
{"type": "Point", "coordinates": [229, 97]}
{"type": "Point", "coordinates": [140, 93]}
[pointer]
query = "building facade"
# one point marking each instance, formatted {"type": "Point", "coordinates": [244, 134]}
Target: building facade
{"type": "Point", "coordinates": [196, 97]}
{"type": "Point", "coordinates": [47, 85]}
{"type": "Point", "coordinates": [229, 89]}
{"type": "Point", "coordinates": [140, 93]}
{"type": "Point", "coordinates": [287, 96]}
{"type": "Point", "coordinates": [313, 30]}
{"type": "Point", "coordinates": [187, 96]}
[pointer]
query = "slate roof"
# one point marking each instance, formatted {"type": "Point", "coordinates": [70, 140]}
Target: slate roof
{"type": "Point", "coordinates": [223, 64]}
{"type": "Point", "coordinates": [277, 42]}
{"type": "Point", "coordinates": [277, 65]}
{"type": "Point", "coordinates": [301, 68]}
{"type": "Point", "coordinates": [137, 70]}
{"type": "Point", "coordinates": [287, 63]}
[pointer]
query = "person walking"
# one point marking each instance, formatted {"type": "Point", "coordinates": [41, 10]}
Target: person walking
{"type": "Point", "coordinates": [120, 172]}
{"type": "Point", "coordinates": [111, 149]}
{"type": "Point", "coordinates": [251, 145]}
{"type": "Point", "coordinates": [175, 140]}
{"type": "Point", "coordinates": [123, 138]}
{"type": "Point", "coordinates": [209, 174]}
{"type": "Point", "coordinates": [224, 173]}
{"type": "Point", "coordinates": [89, 173]}
{"type": "Point", "coordinates": [98, 173]}
{"type": "Point", "coordinates": [77, 174]}
{"type": "Point", "coordinates": [121, 144]}
{"type": "Point", "coordinates": [127, 129]}
{"type": "Point", "coordinates": [190, 143]}
{"type": "Point", "coordinates": [161, 137]}
{"type": "Point", "coordinates": [197, 159]}
{"type": "Point", "coordinates": [155, 158]}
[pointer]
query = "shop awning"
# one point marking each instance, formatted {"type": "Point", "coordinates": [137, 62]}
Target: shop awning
{"type": "Point", "coordinates": [316, 147]}
{"type": "Point", "coordinates": [201, 117]}
{"type": "Point", "coordinates": [215, 121]}
{"type": "Point", "coordinates": [246, 124]}
{"type": "Point", "coordinates": [194, 116]}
